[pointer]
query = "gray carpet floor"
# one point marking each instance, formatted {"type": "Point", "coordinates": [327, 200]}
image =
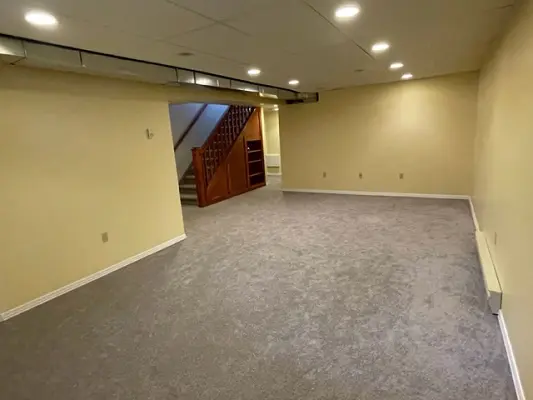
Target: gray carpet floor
{"type": "Point", "coordinates": [276, 296]}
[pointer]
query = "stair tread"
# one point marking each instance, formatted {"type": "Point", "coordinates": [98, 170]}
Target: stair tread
{"type": "Point", "coordinates": [188, 186]}
{"type": "Point", "coordinates": [188, 196]}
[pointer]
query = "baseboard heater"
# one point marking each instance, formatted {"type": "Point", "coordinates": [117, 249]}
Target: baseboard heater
{"type": "Point", "coordinates": [273, 160]}
{"type": "Point", "coordinates": [492, 283]}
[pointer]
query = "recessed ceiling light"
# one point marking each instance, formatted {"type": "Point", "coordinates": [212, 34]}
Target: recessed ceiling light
{"type": "Point", "coordinates": [396, 65]}
{"type": "Point", "coordinates": [347, 11]}
{"type": "Point", "coordinates": [380, 47]}
{"type": "Point", "coordinates": [40, 18]}
{"type": "Point", "coordinates": [254, 72]}
{"type": "Point", "coordinates": [407, 76]}
{"type": "Point", "coordinates": [294, 82]}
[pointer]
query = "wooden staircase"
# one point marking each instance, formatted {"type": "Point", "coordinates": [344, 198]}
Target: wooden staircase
{"type": "Point", "coordinates": [221, 167]}
{"type": "Point", "coordinates": [188, 188]}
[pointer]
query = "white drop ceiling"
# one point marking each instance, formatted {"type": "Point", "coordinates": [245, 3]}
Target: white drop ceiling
{"type": "Point", "coordinates": [286, 39]}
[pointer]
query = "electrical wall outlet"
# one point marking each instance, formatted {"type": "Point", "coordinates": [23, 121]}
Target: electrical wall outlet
{"type": "Point", "coordinates": [105, 237]}
{"type": "Point", "coordinates": [324, 174]}
{"type": "Point", "coordinates": [401, 175]}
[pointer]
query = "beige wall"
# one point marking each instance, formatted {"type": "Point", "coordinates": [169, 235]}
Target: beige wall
{"type": "Point", "coordinates": [503, 196]}
{"type": "Point", "coordinates": [75, 162]}
{"type": "Point", "coordinates": [271, 130]}
{"type": "Point", "coordinates": [424, 129]}
{"type": "Point", "coordinates": [270, 125]}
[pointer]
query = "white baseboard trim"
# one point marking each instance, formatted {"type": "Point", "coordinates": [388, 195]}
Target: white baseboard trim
{"type": "Point", "coordinates": [386, 194]}
{"type": "Point", "coordinates": [473, 211]}
{"type": "Point", "coordinates": [493, 288]}
{"type": "Point", "coordinates": [74, 285]}
{"type": "Point", "coordinates": [274, 173]}
{"type": "Point", "coordinates": [520, 394]}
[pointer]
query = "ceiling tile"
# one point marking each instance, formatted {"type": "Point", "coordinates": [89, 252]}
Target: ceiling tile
{"type": "Point", "coordinates": [158, 19]}
{"type": "Point", "coordinates": [310, 67]}
{"type": "Point", "coordinates": [227, 43]}
{"type": "Point", "coordinates": [294, 26]}
{"type": "Point", "coordinates": [411, 22]}
{"type": "Point", "coordinates": [222, 10]}
{"type": "Point", "coordinates": [228, 68]}
{"type": "Point", "coordinates": [84, 35]}
{"type": "Point", "coordinates": [206, 63]}
{"type": "Point", "coordinates": [345, 55]}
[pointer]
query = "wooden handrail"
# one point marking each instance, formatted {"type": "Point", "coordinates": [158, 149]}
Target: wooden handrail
{"type": "Point", "coordinates": [189, 127]}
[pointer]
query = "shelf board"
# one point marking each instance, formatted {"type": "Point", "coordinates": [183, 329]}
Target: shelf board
{"type": "Point", "coordinates": [257, 185]}
{"type": "Point", "coordinates": [250, 162]}
{"type": "Point", "coordinates": [257, 174]}
{"type": "Point", "coordinates": [254, 151]}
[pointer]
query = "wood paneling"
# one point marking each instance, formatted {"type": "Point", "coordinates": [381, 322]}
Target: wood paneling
{"type": "Point", "coordinates": [236, 168]}
{"type": "Point", "coordinates": [252, 130]}
{"type": "Point", "coordinates": [199, 175]}
{"type": "Point", "coordinates": [218, 189]}
{"type": "Point", "coordinates": [222, 165]}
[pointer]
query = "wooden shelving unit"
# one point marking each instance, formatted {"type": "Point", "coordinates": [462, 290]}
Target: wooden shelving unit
{"type": "Point", "coordinates": [256, 163]}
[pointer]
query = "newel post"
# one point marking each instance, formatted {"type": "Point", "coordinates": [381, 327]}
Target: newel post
{"type": "Point", "coordinates": [199, 174]}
